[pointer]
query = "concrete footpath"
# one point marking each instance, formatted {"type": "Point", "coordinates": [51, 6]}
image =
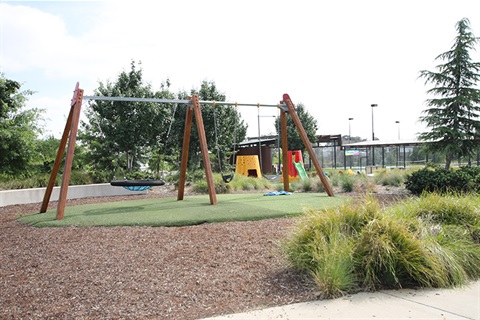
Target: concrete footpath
{"type": "Point", "coordinates": [462, 303]}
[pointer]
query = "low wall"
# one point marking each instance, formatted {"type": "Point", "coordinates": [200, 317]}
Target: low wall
{"type": "Point", "coordinates": [23, 196]}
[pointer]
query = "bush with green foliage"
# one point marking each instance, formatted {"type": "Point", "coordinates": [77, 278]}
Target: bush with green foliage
{"type": "Point", "coordinates": [347, 182]}
{"type": "Point", "coordinates": [40, 180]}
{"type": "Point", "coordinates": [432, 241]}
{"type": "Point", "coordinates": [428, 179]}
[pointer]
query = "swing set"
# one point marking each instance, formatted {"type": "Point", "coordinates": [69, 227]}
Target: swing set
{"type": "Point", "coordinates": [193, 106]}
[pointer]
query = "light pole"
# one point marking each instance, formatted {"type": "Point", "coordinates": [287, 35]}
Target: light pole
{"type": "Point", "coordinates": [350, 137]}
{"type": "Point", "coordinates": [373, 105]}
{"type": "Point", "coordinates": [349, 130]}
{"type": "Point", "coordinates": [398, 149]}
{"type": "Point", "coordinates": [373, 133]}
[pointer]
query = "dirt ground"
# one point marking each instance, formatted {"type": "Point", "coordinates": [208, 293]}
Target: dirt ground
{"type": "Point", "coordinates": [145, 272]}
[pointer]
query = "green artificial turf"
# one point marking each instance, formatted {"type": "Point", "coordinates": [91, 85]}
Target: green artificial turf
{"type": "Point", "coordinates": [191, 211]}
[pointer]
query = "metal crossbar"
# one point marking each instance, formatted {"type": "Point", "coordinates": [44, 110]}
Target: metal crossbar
{"type": "Point", "coordinates": [188, 102]}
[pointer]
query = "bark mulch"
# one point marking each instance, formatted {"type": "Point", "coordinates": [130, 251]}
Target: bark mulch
{"type": "Point", "coordinates": [144, 272]}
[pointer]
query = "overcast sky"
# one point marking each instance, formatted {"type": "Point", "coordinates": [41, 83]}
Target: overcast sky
{"type": "Point", "coordinates": [335, 57]}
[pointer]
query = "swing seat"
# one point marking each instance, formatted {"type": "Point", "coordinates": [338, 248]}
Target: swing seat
{"type": "Point", "coordinates": [137, 185]}
{"type": "Point", "coordinates": [227, 178]}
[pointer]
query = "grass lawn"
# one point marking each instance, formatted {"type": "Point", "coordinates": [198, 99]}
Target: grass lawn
{"type": "Point", "coordinates": [191, 211]}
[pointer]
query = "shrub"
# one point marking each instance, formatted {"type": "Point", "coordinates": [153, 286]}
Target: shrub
{"type": "Point", "coordinates": [317, 185]}
{"type": "Point", "coordinates": [80, 178]}
{"type": "Point", "coordinates": [443, 180]}
{"type": "Point", "coordinates": [389, 178]}
{"type": "Point", "coordinates": [362, 245]}
{"type": "Point", "coordinates": [347, 182]}
{"type": "Point", "coordinates": [201, 186]}
{"type": "Point", "coordinates": [220, 185]}
{"type": "Point", "coordinates": [334, 178]}
{"type": "Point", "coordinates": [41, 180]}
{"type": "Point", "coordinates": [241, 182]}
{"type": "Point", "coordinates": [365, 184]}
{"type": "Point", "coordinates": [301, 185]}
{"type": "Point", "coordinates": [312, 184]}
{"type": "Point", "coordinates": [358, 183]}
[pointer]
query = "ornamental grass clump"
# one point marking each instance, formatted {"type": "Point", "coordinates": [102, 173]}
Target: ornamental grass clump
{"type": "Point", "coordinates": [312, 184]}
{"type": "Point", "coordinates": [454, 222]}
{"type": "Point", "coordinates": [363, 246]}
{"type": "Point", "coordinates": [390, 177]}
{"type": "Point", "coordinates": [244, 183]}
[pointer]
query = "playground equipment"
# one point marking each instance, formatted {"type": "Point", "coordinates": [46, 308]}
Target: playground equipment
{"type": "Point", "coordinates": [300, 170]}
{"type": "Point", "coordinates": [193, 108]}
{"type": "Point", "coordinates": [137, 185]}
{"type": "Point", "coordinates": [141, 185]}
{"type": "Point", "coordinates": [248, 166]}
{"type": "Point", "coordinates": [260, 144]}
{"type": "Point", "coordinates": [295, 165]}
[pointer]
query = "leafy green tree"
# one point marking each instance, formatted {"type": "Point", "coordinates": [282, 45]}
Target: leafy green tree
{"type": "Point", "coordinates": [121, 134]}
{"type": "Point", "coordinates": [164, 153]}
{"type": "Point", "coordinates": [309, 124]}
{"type": "Point", "coordinates": [452, 115]}
{"type": "Point", "coordinates": [46, 150]}
{"type": "Point", "coordinates": [19, 128]}
{"type": "Point", "coordinates": [230, 128]}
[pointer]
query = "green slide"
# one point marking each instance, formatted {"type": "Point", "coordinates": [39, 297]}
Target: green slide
{"type": "Point", "coordinates": [301, 170]}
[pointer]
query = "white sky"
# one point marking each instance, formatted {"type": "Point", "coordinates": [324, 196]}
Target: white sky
{"type": "Point", "coordinates": [335, 57]}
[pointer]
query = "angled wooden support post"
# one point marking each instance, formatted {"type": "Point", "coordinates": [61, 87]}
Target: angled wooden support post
{"type": "Point", "coordinates": [204, 148]}
{"type": "Point", "coordinates": [72, 140]}
{"type": "Point", "coordinates": [58, 159]}
{"type": "Point", "coordinates": [283, 130]}
{"type": "Point", "coordinates": [73, 117]}
{"type": "Point", "coordinates": [185, 147]}
{"type": "Point", "coordinates": [306, 142]}
{"type": "Point", "coordinates": [72, 123]}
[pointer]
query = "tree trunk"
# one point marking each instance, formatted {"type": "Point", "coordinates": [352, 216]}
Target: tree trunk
{"type": "Point", "coordinates": [448, 160]}
{"type": "Point", "coordinates": [129, 162]}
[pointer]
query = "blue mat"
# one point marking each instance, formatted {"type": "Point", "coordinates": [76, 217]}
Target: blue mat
{"type": "Point", "coordinates": [278, 193]}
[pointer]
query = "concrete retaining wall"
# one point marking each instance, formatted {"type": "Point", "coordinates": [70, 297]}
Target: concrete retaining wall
{"type": "Point", "coordinates": [22, 196]}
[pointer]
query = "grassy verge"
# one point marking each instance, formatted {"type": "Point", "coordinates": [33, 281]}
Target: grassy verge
{"type": "Point", "coordinates": [191, 211]}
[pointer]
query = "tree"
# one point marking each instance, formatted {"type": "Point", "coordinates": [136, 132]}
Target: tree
{"type": "Point", "coordinates": [223, 127]}
{"type": "Point", "coordinates": [19, 128]}
{"type": "Point", "coordinates": [309, 124]}
{"type": "Point", "coordinates": [46, 150]}
{"type": "Point", "coordinates": [453, 115]}
{"type": "Point", "coordinates": [121, 134]}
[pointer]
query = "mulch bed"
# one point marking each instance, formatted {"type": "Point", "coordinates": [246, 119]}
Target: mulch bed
{"type": "Point", "coordinates": [144, 272]}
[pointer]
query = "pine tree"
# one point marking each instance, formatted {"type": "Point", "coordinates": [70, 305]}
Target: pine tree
{"type": "Point", "coordinates": [453, 115]}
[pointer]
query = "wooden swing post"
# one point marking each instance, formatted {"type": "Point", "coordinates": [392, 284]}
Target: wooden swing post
{"type": "Point", "coordinates": [283, 131]}
{"type": "Point", "coordinates": [70, 134]}
{"type": "Point", "coordinates": [195, 109]}
{"type": "Point", "coordinates": [296, 120]}
{"type": "Point", "coordinates": [185, 147]}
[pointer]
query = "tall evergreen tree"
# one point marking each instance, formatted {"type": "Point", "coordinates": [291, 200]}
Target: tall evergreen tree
{"type": "Point", "coordinates": [452, 115]}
